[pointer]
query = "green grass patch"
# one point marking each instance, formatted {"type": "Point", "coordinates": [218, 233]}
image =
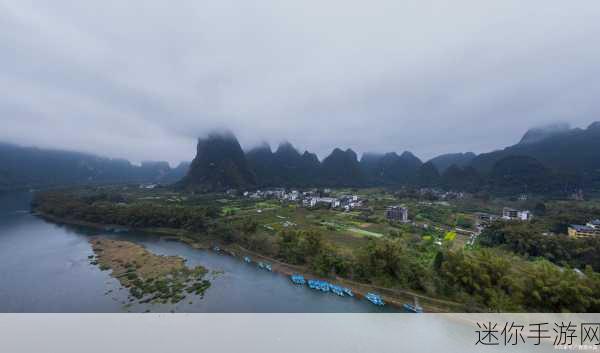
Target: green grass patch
{"type": "Point", "coordinates": [364, 232]}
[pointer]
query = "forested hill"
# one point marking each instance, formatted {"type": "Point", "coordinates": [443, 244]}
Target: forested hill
{"type": "Point", "coordinates": [219, 164]}
{"type": "Point", "coordinates": [445, 161]}
{"type": "Point", "coordinates": [572, 150]}
{"type": "Point", "coordinates": [29, 167]}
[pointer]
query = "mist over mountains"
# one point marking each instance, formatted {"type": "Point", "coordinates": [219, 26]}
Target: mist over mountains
{"type": "Point", "coordinates": [220, 163]}
{"type": "Point", "coordinates": [30, 167]}
{"type": "Point", "coordinates": [546, 160]}
{"type": "Point", "coordinates": [555, 159]}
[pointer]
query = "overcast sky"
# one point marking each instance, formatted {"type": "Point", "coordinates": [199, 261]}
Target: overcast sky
{"type": "Point", "coordinates": [142, 79]}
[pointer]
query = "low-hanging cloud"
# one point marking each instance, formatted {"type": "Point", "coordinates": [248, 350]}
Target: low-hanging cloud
{"type": "Point", "coordinates": [142, 79]}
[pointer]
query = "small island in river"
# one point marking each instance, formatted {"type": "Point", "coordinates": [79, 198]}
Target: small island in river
{"type": "Point", "coordinates": [149, 277]}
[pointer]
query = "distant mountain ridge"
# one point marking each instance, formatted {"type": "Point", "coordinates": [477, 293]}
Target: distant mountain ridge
{"type": "Point", "coordinates": [391, 168]}
{"type": "Point", "coordinates": [444, 161]}
{"type": "Point", "coordinates": [572, 150]}
{"type": "Point", "coordinates": [341, 168]}
{"type": "Point", "coordinates": [31, 167]}
{"type": "Point", "coordinates": [288, 167]}
{"type": "Point", "coordinates": [541, 133]}
{"type": "Point", "coordinates": [551, 159]}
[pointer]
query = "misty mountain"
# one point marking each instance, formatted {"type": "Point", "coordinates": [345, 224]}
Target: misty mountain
{"type": "Point", "coordinates": [341, 168]}
{"type": "Point", "coordinates": [284, 167]}
{"type": "Point", "coordinates": [290, 166]}
{"type": "Point", "coordinates": [428, 175]}
{"type": "Point", "coordinates": [391, 168]}
{"type": "Point", "coordinates": [462, 178]}
{"type": "Point", "coordinates": [311, 167]}
{"type": "Point", "coordinates": [575, 151]}
{"type": "Point", "coordinates": [552, 159]}
{"type": "Point", "coordinates": [541, 133]}
{"type": "Point", "coordinates": [369, 162]}
{"type": "Point", "coordinates": [219, 164]}
{"type": "Point", "coordinates": [519, 174]}
{"type": "Point", "coordinates": [177, 173]}
{"type": "Point", "coordinates": [444, 161]}
{"type": "Point", "coordinates": [30, 167]}
{"type": "Point", "coordinates": [261, 161]}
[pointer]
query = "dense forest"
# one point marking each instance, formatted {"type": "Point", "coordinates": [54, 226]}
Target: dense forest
{"type": "Point", "coordinates": [530, 240]}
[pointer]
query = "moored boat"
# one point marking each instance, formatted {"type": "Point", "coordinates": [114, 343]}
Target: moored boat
{"type": "Point", "coordinates": [265, 266]}
{"type": "Point", "coordinates": [297, 279]}
{"type": "Point", "coordinates": [318, 285]}
{"type": "Point", "coordinates": [336, 290]}
{"type": "Point", "coordinates": [413, 308]}
{"type": "Point", "coordinates": [375, 299]}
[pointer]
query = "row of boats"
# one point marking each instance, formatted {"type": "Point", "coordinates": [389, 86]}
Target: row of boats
{"type": "Point", "coordinates": [262, 265]}
{"type": "Point", "coordinates": [325, 286]}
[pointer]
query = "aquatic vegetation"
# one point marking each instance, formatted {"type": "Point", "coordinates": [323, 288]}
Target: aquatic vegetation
{"type": "Point", "coordinates": [149, 277]}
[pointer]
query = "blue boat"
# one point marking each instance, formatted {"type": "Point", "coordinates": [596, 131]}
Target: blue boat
{"type": "Point", "coordinates": [375, 299]}
{"type": "Point", "coordinates": [337, 290]}
{"type": "Point", "coordinates": [247, 259]}
{"type": "Point", "coordinates": [318, 285]}
{"type": "Point", "coordinates": [216, 248]}
{"type": "Point", "coordinates": [413, 308]}
{"type": "Point", "coordinates": [297, 279]}
{"type": "Point", "coordinates": [348, 291]}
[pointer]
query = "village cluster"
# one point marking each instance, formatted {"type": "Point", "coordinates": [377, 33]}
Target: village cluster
{"type": "Point", "coordinates": [442, 194]}
{"type": "Point", "coordinates": [317, 198]}
{"type": "Point", "coordinates": [309, 199]}
{"type": "Point", "coordinates": [508, 214]}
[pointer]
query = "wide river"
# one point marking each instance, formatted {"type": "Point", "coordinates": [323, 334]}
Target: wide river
{"type": "Point", "coordinates": [44, 267]}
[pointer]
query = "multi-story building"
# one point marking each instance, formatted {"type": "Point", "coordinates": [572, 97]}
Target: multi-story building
{"type": "Point", "coordinates": [579, 231]}
{"type": "Point", "coordinates": [592, 228]}
{"type": "Point", "coordinates": [397, 213]}
{"type": "Point", "coordinates": [512, 214]}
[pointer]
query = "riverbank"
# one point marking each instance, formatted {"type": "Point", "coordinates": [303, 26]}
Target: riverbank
{"type": "Point", "coordinates": [392, 296]}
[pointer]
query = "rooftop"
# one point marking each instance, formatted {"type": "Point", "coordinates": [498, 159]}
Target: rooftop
{"type": "Point", "coordinates": [582, 228]}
